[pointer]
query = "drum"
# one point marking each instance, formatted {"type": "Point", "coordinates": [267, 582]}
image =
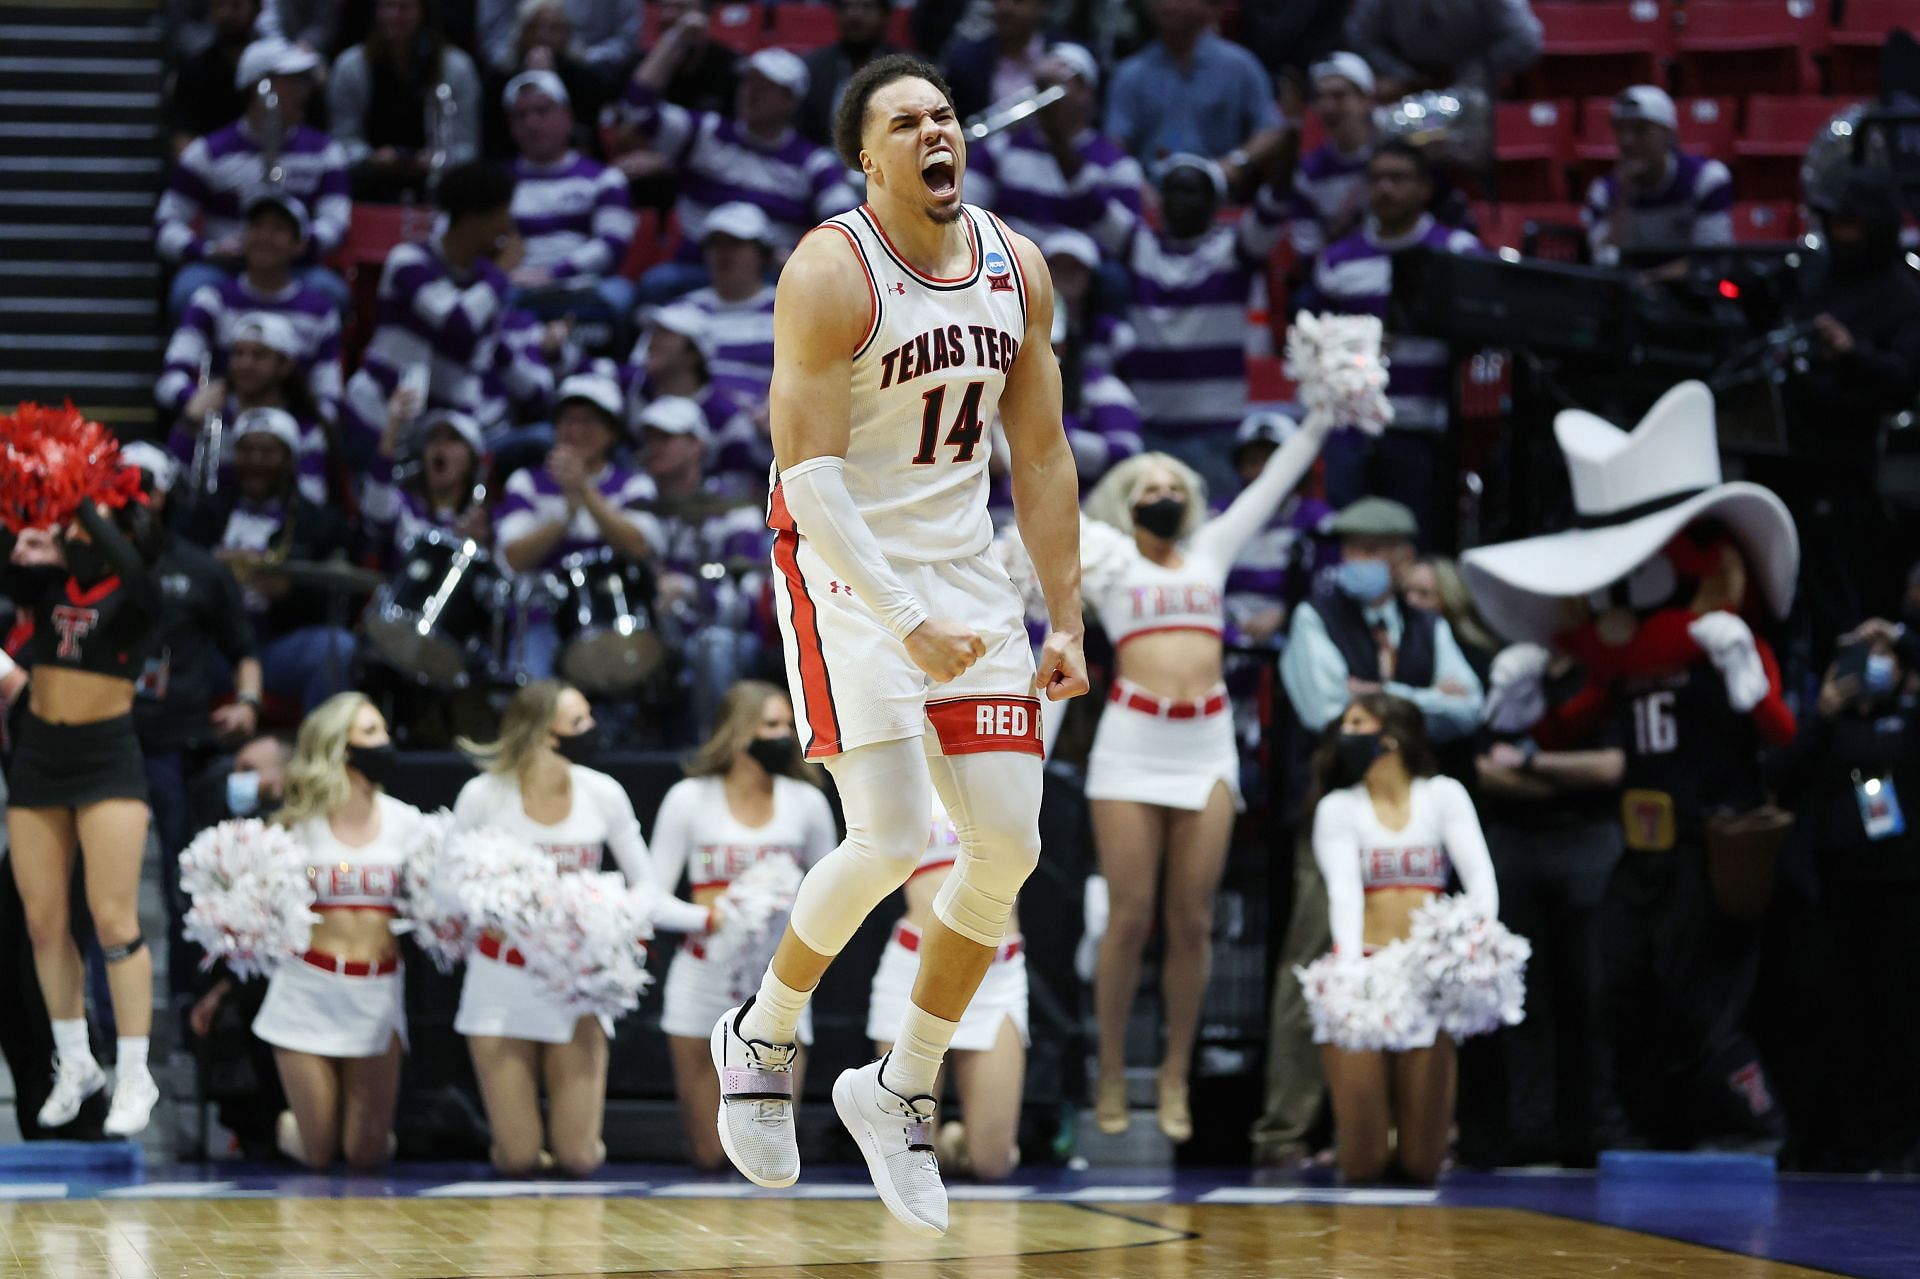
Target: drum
{"type": "Point", "coordinates": [434, 619]}
{"type": "Point", "coordinates": [604, 619]}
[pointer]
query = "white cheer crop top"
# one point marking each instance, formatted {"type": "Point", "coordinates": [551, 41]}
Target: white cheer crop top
{"type": "Point", "coordinates": [697, 834]}
{"type": "Point", "coordinates": [367, 878]}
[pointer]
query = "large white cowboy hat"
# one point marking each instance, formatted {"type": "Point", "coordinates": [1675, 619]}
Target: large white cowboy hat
{"type": "Point", "coordinates": [1632, 491]}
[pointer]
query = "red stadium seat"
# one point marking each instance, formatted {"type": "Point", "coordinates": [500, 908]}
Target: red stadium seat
{"type": "Point", "coordinates": [653, 242]}
{"type": "Point", "coordinates": [900, 29]}
{"type": "Point", "coordinates": [1267, 381]}
{"type": "Point", "coordinates": [1532, 143]}
{"type": "Point", "coordinates": [1599, 48]}
{"type": "Point", "coordinates": [802, 27]}
{"type": "Point", "coordinates": [1853, 66]}
{"type": "Point", "coordinates": [739, 27]}
{"type": "Point", "coordinates": [1764, 222]}
{"type": "Point", "coordinates": [1751, 46]}
{"type": "Point", "coordinates": [377, 228]}
{"type": "Point", "coordinates": [1769, 150]}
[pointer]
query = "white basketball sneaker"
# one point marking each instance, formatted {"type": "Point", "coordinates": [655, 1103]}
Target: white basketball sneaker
{"type": "Point", "coordinates": [895, 1136]}
{"type": "Point", "coordinates": [73, 1083]}
{"type": "Point", "coordinates": [134, 1096]}
{"type": "Point", "coordinates": [756, 1104]}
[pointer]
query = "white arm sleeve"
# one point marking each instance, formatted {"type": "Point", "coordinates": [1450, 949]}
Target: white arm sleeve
{"type": "Point", "coordinates": [7, 666]}
{"type": "Point", "coordinates": [823, 511]}
{"type": "Point", "coordinates": [1221, 537]}
{"type": "Point", "coordinates": [673, 836]}
{"type": "Point", "coordinates": [630, 854]}
{"type": "Point", "coordinates": [1336, 849]}
{"type": "Point", "coordinates": [470, 807]}
{"type": "Point", "coordinates": [1466, 846]}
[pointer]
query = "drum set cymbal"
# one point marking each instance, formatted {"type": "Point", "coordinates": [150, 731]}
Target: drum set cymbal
{"type": "Point", "coordinates": [338, 577]}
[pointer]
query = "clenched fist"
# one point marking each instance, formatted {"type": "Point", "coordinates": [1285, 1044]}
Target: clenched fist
{"type": "Point", "coordinates": [944, 650]}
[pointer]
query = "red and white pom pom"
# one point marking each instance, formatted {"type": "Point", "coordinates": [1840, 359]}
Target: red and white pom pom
{"type": "Point", "coordinates": [435, 919]}
{"type": "Point", "coordinates": [252, 900]}
{"type": "Point", "coordinates": [760, 895]}
{"type": "Point", "coordinates": [52, 461]}
{"type": "Point", "coordinates": [1475, 971]}
{"type": "Point", "coordinates": [1373, 1004]}
{"type": "Point", "coordinates": [1342, 376]}
{"type": "Point", "coordinates": [462, 883]}
{"type": "Point", "coordinates": [586, 942]}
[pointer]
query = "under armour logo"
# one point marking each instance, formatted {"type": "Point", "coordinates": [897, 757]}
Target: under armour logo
{"type": "Point", "coordinates": [838, 588]}
{"type": "Point", "coordinates": [900, 287]}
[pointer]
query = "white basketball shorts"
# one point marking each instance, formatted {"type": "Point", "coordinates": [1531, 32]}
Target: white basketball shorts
{"type": "Point", "coordinates": [853, 683]}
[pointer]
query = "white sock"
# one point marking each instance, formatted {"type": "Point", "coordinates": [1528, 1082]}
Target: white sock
{"type": "Point", "coordinates": [913, 1067]}
{"type": "Point", "coordinates": [70, 1040]}
{"type": "Point", "coordinates": [776, 1010]}
{"type": "Point", "coordinates": [132, 1056]}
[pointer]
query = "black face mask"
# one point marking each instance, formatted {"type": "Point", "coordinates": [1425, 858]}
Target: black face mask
{"type": "Point", "coordinates": [1354, 753]}
{"type": "Point", "coordinates": [580, 748]}
{"type": "Point", "coordinates": [1161, 517]}
{"type": "Point", "coordinates": [86, 563]}
{"type": "Point", "coordinates": [374, 762]}
{"type": "Point", "coordinates": [775, 754]}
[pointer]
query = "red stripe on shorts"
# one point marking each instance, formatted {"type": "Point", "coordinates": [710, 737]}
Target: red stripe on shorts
{"type": "Point", "coordinates": [971, 725]}
{"type": "Point", "coordinates": [815, 688]}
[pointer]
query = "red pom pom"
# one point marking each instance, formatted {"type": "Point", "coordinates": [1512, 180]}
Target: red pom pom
{"type": "Point", "coordinates": [52, 461]}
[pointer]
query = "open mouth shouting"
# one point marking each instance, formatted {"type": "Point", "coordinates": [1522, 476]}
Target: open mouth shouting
{"type": "Point", "coordinates": [938, 171]}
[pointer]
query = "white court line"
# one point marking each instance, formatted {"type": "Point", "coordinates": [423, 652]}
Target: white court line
{"type": "Point", "coordinates": [1310, 1194]}
{"type": "Point", "coordinates": [34, 1190]}
{"type": "Point", "coordinates": [529, 1189]}
{"type": "Point", "coordinates": [833, 1190]}
{"type": "Point", "coordinates": [709, 1190]}
{"type": "Point", "coordinates": [1001, 1193]}
{"type": "Point", "coordinates": [1117, 1194]}
{"type": "Point", "coordinates": [174, 1190]}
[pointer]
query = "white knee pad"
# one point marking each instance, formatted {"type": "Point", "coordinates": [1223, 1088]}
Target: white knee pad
{"type": "Point", "coordinates": [994, 800]}
{"type": "Point", "coordinates": [886, 796]}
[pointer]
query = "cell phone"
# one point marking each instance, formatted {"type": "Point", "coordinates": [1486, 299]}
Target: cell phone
{"type": "Point", "coordinates": [1852, 660]}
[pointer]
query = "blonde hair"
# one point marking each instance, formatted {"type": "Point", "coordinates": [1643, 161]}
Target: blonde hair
{"type": "Point", "coordinates": [1111, 501]}
{"type": "Point", "coordinates": [738, 724]}
{"type": "Point", "coordinates": [523, 729]}
{"type": "Point", "coordinates": [317, 780]}
{"type": "Point", "coordinates": [1456, 605]}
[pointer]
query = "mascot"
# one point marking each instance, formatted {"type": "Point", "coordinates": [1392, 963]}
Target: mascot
{"type": "Point", "coordinates": [1657, 593]}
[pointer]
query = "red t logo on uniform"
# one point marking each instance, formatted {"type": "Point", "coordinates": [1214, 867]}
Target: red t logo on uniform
{"type": "Point", "coordinates": [74, 624]}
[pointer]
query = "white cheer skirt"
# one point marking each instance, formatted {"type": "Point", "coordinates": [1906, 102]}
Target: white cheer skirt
{"type": "Point", "coordinates": [1002, 994]}
{"type": "Point", "coordinates": [703, 982]}
{"type": "Point", "coordinates": [506, 1001]}
{"type": "Point", "coordinates": [1173, 763]}
{"type": "Point", "coordinates": [311, 1010]}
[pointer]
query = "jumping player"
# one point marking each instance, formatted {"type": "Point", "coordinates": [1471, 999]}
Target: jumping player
{"type": "Point", "coordinates": [900, 329]}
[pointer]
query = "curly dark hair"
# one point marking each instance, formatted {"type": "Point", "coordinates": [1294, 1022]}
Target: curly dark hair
{"type": "Point", "coordinates": [851, 120]}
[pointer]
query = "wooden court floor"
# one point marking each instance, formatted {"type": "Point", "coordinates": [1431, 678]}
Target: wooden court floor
{"type": "Point", "coordinates": [452, 1238]}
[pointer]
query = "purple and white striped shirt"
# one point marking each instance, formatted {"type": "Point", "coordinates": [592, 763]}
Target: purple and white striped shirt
{"type": "Point", "coordinates": [1105, 429]}
{"type": "Point", "coordinates": [216, 173]}
{"type": "Point", "coordinates": [533, 500]}
{"type": "Point", "coordinates": [310, 461]}
{"type": "Point", "coordinates": [1355, 277]}
{"type": "Point", "coordinates": [796, 183]}
{"type": "Point", "coordinates": [574, 215]}
{"type": "Point", "coordinates": [207, 326]}
{"type": "Point", "coordinates": [742, 334]}
{"type": "Point", "coordinates": [1695, 207]}
{"type": "Point", "coordinates": [687, 546]}
{"type": "Point", "coordinates": [1188, 363]}
{"type": "Point", "coordinates": [393, 513]}
{"type": "Point", "coordinates": [1329, 198]}
{"type": "Point", "coordinates": [1017, 176]}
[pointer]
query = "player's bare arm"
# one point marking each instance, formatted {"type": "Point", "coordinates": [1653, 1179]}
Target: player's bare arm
{"type": "Point", "coordinates": [821, 312]}
{"type": "Point", "coordinates": [1046, 488]}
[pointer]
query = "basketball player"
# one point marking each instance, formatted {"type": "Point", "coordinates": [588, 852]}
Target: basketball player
{"type": "Point", "coordinates": [900, 329]}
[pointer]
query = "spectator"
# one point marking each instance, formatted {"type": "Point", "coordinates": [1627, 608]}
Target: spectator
{"type": "Point", "coordinates": [444, 490]}
{"type": "Point", "coordinates": [1101, 416]}
{"type": "Point", "coordinates": [578, 501]}
{"type": "Point", "coordinates": [1191, 91]}
{"type": "Point", "coordinates": [707, 74]}
{"type": "Point", "coordinates": [1657, 195]}
{"type": "Point", "coordinates": [441, 306]}
{"type": "Point", "coordinates": [404, 103]}
{"type": "Point", "coordinates": [276, 234]}
{"type": "Point", "coordinates": [262, 372]}
{"type": "Point", "coordinates": [1355, 276]}
{"type": "Point", "coordinates": [674, 357]}
{"type": "Point", "coordinates": [572, 212]}
{"type": "Point", "coordinates": [1437, 44]}
{"type": "Point", "coordinates": [862, 28]}
{"type": "Point", "coordinates": [1191, 283]}
{"type": "Point", "coordinates": [1056, 171]}
{"type": "Point", "coordinates": [261, 521]}
{"type": "Point", "coordinates": [1434, 583]}
{"type": "Point", "coordinates": [754, 156]}
{"type": "Point", "coordinates": [1330, 182]}
{"type": "Point", "coordinates": [543, 41]}
{"type": "Point", "coordinates": [738, 303]}
{"type": "Point", "coordinates": [199, 219]}
{"type": "Point", "coordinates": [304, 22]}
{"type": "Point", "coordinates": [602, 32]}
{"type": "Point", "coordinates": [994, 68]}
{"type": "Point", "coordinates": [1275, 569]}
{"type": "Point", "coordinates": [204, 92]}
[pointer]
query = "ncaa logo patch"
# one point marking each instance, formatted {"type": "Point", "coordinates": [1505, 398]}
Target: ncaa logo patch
{"type": "Point", "coordinates": [995, 264]}
{"type": "Point", "coordinates": [999, 278]}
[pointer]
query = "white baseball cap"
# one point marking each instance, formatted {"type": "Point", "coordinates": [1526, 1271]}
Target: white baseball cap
{"type": "Point", "coordinates": [783, 67]}
{"type": "Point", "coordinates": [270, 329]}
{"type": "Point", "coordinates": [596, 389]}
{"type": "Point", "coordinates": [690, 322]}
{"type": "Point", "coordinates": [1200, 164]}
{"type": "Point", "coordinates": [542, 81]}
{"type": "Point", "coordinates": [273, 197]}
{"type": "Point", "coordinates": [271, 56]}
{"type": "Point", "coordinates": [152, 459]}
{"type": "Point", "coordinates": [675, 415]}
{"type": "Point", "coordinates": [454, 420]}
{"type": "Point", "coordinates": [275, 422]}
{"type": "Point", "coordinates": [1068, 243]}
{"type": "Point", "coordinates": [740, 220]}
{"type": "Point", "coordinates": [1350, 67]}
{"type": "Point", "coordinates": [1078, 60]}
{"type": "Point", "coordinates": [1268, 426]}
{"type": "Point", "coordinates": [1646, 102]}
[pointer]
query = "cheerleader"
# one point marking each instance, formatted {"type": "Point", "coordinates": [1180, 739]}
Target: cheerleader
{"type": "Point", "coordinates": [1163, 779]}
{"type": "Point", "coordinates": [989, 1051]}
{"type": "Point", "coordinates": [78, 784]}
{"type": "Point", "coordinates": [1385, 837]}
{"type": "Point", "coordinates": [536, 786]}
{"type": "Point", "coordinates": [744, 800]}
{"type": "Point", "coordinates": [336, 1016]}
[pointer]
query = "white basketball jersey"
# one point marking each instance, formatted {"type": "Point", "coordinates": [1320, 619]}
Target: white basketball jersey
{"type": "Point", "coordinates": [926, 388]}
